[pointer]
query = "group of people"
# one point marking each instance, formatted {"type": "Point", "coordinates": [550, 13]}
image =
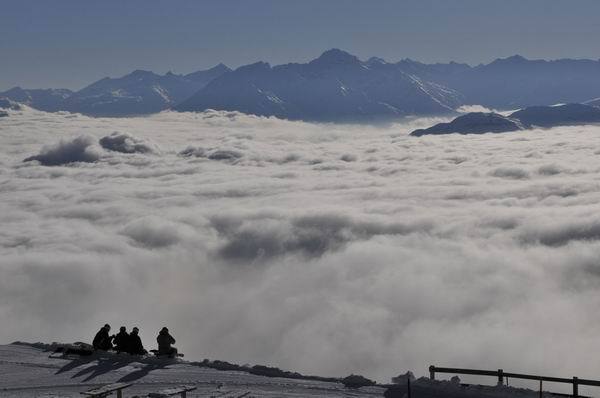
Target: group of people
{"type": "Point", "coordinates": [131, 343]}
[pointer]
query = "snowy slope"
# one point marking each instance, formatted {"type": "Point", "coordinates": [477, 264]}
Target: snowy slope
{"type": "Point", "coordinates": [49, 100]}
{"type": "Point", "coordinates": [140, 92]}
{"type": "Point", "coordinates": [26, 371]}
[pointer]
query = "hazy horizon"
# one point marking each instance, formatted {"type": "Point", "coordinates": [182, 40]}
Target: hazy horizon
{"type": "Point", "coordinates": [69, 44]}
{"type": "Point", "coordinates": [300, 62]}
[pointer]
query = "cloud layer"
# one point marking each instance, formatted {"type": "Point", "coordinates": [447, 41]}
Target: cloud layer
{"type": "Point", "coordinates": [320, 248]}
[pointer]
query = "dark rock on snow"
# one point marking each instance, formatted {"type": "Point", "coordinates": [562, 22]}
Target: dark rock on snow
{"type": "Point", "coordinates": [473, 123]}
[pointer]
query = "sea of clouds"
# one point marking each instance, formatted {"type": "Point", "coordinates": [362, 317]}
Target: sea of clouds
{"type": "Point", "coordinates": [325, 249]}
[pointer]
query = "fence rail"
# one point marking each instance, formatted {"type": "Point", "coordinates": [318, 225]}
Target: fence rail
{"type": "Point", "coordinates": [501, 374]}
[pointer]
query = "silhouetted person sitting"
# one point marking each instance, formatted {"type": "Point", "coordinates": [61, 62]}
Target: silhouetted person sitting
{"type": "Point", "coordinates": [121, 340]}
{"type": "Point", "coordinates": [102, 341]}
{"type": "Point", "coordinates": [164, 341]}
{"type": "Point", "coordinates": [135, 343]}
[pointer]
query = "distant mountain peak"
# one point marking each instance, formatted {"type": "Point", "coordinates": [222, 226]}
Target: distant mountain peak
{"type": "Point", "coordinates": [336, 86]}
{"type": "Point", "coordinates": [517, 57]}
{"type": "Point", "coordinates": [139, 92]}
{"type": "Point", "coordinates": [203, 77]}
{"type": "Point", "coordinates": [514, 60]}
{"type": "Point", "coordinates": [335, 56]}
{"type": "Point", "coordinates": [46, 99]}
{"type": "Point", "coordinates": [15, 89]}
{"type": "Point", "coordinates": [257, 66]}
{"type": "Point", "coordinates": [141, 73]}
{"type": "Point", "coordinates": [526, 118]}
{"type": "Point", "coordinates": [220, 67]}
{"type": "Point", "coordinates": [473, 123]}
{"type": "Point", "coordinates": [376, 61]}
{"type": "Point", "coordinates": [410, 60]}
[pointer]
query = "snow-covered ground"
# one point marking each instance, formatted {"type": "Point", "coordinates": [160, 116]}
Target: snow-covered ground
{"type": "Point", "coordinates": [26, 371]}
{"type": "Point", "coordinates": [322, 249]}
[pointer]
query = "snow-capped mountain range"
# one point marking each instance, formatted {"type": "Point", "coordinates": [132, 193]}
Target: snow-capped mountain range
{"type": "Point", "coordinates": [336, 86]}
{"type": "Point", "coordinates": [49, 100]}
{"type": "Point", "coordinates": [140, 92]}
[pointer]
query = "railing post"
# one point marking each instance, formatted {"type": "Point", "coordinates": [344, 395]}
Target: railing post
{"type": "Point", "coordinates": [432, 372]}
{"type": "Point", "coordinates": [575, 387]}
{"type": "Point", "coordinates": [408, 385]}
{"type": "Point", "coordinates": [540, 387]}
{"type": "Point", "coordinates": [500, 377]}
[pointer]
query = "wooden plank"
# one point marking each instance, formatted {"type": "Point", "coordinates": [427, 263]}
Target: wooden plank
{"type": "Point", "coordinates": [107, 389]}
{"type": "Point", "coordinates": [476, 372]}
{"type": "Point", "coordinates": [534, 377]}
{"type": "Point", "coordinates": [587, 382]}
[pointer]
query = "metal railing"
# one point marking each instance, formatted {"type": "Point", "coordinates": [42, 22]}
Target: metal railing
{"type": "Point", "coordinates": [501, 375]}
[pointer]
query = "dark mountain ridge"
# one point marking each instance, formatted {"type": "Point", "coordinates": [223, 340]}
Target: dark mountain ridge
{"type": "Point", "coordinates": [336, 86]}
{"type": "Point", "coordinates": [48, 100]}
{"type": "Point", "coordinates": [516, 82]}
{"type": "Point", "coordinates": [527, 118]}
{"type": "Point", "coordinates": [473, 123]}
{"type": "Point", "coordinates": [140, 92]}
{"type": "Point", "coordinates": [137, 93]}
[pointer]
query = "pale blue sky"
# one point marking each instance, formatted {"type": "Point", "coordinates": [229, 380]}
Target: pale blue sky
{"type": "Point", "coordinates": [70, 43]}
